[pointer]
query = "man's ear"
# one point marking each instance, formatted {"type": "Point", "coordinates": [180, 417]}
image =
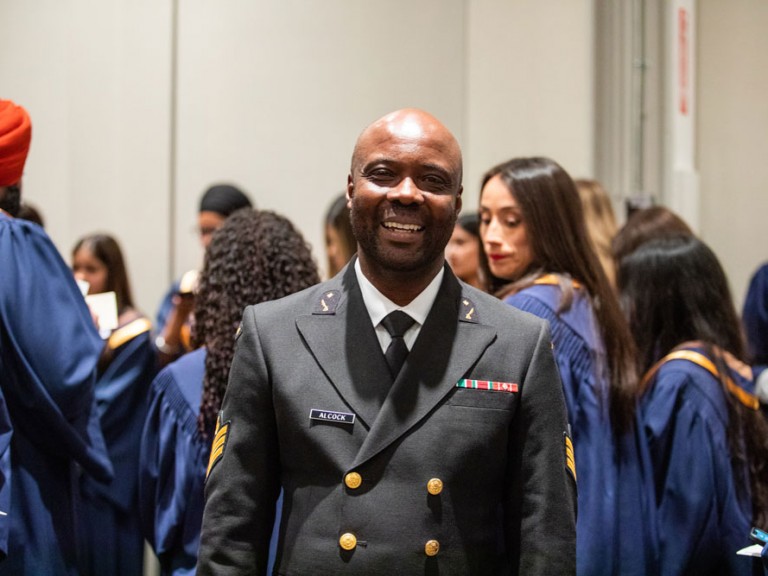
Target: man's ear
{"type": "Point", "coordinates": [459, 202]}
{"type": "Point", "coordinates": [350, 190]}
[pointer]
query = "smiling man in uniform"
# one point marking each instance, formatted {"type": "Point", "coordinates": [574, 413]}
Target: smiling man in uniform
{"type": "Point", "coordinates": [415, 424]}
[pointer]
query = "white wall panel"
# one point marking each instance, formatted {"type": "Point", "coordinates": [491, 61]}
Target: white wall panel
{"type": "Point", "coordinates": [733, 134]}
{"type": "Point", "coordinates": [272, 95]}
{"type": "Point", "coordinates": [95, 79]}
{"type": "Point", "coordinates": [529, 84]}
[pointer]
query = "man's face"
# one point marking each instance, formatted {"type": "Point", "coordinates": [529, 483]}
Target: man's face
{"type": "Point", "coordinates": [405, 192]}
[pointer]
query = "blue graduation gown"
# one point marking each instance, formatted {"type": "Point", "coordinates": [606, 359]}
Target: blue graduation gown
{"type": "Point", "coordinates": [704, 511]}
{"type": "Point", "coordinates": [112, 539]}
{"type": "Point", "coordinates": [173, 465]}
{"type": "Point", "coordinates": [49, 348]}
{"type": "Point", "coordinates": [173, 460]}
{"type": "Point", "coordinates": [755, 316]}
{"type": "Point", "coordinates": [615, 530]}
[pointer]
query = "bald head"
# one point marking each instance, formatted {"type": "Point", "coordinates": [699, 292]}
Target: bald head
{"type": "Point", "coordinates": [410, 124]}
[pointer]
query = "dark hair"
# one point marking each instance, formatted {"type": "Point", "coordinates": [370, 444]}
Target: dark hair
{"type": "Point", "coordinates": [106, 249]}
{"type": "Point", "coordinates": [10, 199]}
{"type": "Point", "coordinates": [337, 218]}
{"type": "Point", "coordinates": [31, 214]}
{"type": "Point", "coordinates": [644, 225]}
{"type": "Point", "coordinates": [255, 256]}
{"type": "Point", "coordinates": [674, 291]}
{"type": "Point", "coordinates": [552, 212]}
{"type": "Point", "coordinates": [224, 199]}
{"type": "Point", "coordinates": [470, 222]}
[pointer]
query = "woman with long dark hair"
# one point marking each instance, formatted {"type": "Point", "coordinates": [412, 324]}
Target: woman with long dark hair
{"type": "Point", "coordinates": [110, 531]}
{"type": "Point", "coordinates": [255, 256]}
{"type": "Point", "coordinates": [708, 440]}
{"type": "Point", "coordinates": [538, 257]}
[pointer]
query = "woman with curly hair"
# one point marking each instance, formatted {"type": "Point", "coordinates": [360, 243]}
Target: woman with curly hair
{"type": "Point", "coordinates": [254, 257]}
{"type": "Point", "coordinates": [538, 257]}
{"type": "Point", "coordinates": [708, 440]}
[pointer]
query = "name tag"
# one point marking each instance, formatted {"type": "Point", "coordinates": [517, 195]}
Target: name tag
{"type": "Point", "coordinates": [329, 416]}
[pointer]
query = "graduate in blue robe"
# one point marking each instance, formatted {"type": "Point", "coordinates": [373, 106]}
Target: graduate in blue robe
{"type": "Point", "coordinates": [112, 541]}
{"type": "Point", "coordinates": [185, 396]}
{"type": "Point", "coordinates": [615, 491]}
{"type": "Point", "coordinates": [112, 536]}
{"type": "Point", "coordinates": [703, 512]}
{"type": "Point", "coordinates": [49, 348]}
{"type": "Point", "coordinates": [538, 257]}
{"type": "Point", "coordinates": [701, 418]}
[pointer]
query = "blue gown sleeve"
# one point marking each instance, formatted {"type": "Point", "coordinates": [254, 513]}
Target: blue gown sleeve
{"type": "Point", "coordinates": [561, 340]}
{"type": "Point", "coordinates": [693, 476]}
{"type": "Point", "coordinates": [171, 476]}
{"type": "Point", "coordinates": [121, 398]}
{"type": "Point", "coordinates": [49, 348]}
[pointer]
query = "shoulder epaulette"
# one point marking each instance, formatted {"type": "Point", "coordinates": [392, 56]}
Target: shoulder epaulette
{"type": "Point", "coordinates": [327, 302]}
{"type": "Point", "coordinates": [467, 311]}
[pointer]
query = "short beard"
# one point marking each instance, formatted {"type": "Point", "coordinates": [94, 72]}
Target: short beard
{"type": "Point", "coordinates": [367, 240]}
{"type": "Point", "coordinates": [10, 199]}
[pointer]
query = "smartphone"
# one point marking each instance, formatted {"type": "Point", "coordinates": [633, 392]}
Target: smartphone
{"type": "Point", "coordinates": [759, 536]}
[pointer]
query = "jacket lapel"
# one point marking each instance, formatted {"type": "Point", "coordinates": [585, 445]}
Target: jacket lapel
{"type": "Point", "coordinates": [345, 345]}
{"type": "Point", "coordinates": [449, 344]}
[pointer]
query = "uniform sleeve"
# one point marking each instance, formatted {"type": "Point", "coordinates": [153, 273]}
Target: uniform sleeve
{"type": "Point", "coordinates": [171, 473]}
{"type": "Point", "coordinates": [243, 484]}
{"type": "Point", "coordinates": [49, 349]}
{"type": "Point", "coordinates": [542, 496]}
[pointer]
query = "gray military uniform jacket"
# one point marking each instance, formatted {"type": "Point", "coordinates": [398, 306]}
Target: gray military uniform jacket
{"type": "Point", "coordinates": [438, 473]}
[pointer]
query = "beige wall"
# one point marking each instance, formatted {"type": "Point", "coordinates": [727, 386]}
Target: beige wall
{"type": "Point", "coordinates": [733, 134]}
{"type": "Point", "coordinates": [529, 85]}
{"type": "Point", "coordinates": [95, 79]}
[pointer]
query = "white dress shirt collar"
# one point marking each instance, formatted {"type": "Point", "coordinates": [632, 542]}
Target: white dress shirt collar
{"type": "Point", "coordinates": [379, 305]}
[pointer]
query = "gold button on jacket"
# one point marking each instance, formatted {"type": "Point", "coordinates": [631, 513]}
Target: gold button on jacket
{"type": "Point", "coordinates": [432, 547]}
{"type": "Point", "coordinates": [435, 486]}
{"type": "Point", "coordinates": [353, 480]}
{"type": "Point", "coordinates": [348, 541]}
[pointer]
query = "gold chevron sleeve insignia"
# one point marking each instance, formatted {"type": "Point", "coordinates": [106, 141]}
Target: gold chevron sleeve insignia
{"type": "Point", "coordinates": [570, 460]}
{"type": "Point", "coordinates": [219, 443]}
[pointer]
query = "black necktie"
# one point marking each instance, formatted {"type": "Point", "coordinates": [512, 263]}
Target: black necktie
{"type": "Point", "coordinates": [397, 324]}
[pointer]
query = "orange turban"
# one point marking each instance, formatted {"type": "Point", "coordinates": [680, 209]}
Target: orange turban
{"type": "Point", "coordinates": [15, 134]}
